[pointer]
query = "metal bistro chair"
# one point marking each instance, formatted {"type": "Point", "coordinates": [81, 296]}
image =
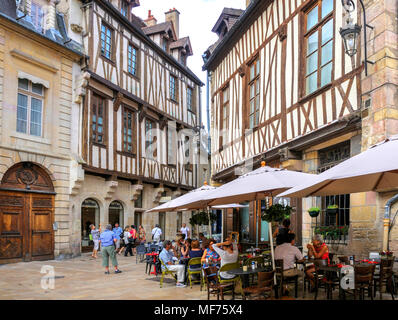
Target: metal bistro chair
{"type": "Point", "coordinates": [363, 279]}
{"type": "Point", "coordinates": [141, 251]}
{"type": "Point", "coordinates": [191, 271]}
{"type": "Point", "coordinates": [385, 277]}
{"type": "Point", "coordinates": [227, 267]}
{"type": "Point", "coordinates": [166, 271]}
{"type": "Point", "coordinates": [153, 248]}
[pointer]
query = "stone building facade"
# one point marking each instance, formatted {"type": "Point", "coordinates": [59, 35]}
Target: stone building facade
{"type": "Point", "coordinates": [38, 66]}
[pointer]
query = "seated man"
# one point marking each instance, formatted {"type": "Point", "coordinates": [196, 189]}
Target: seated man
{"type": "Point", "coordinates": [289, 254]}
{"type": "Point", "coordinates": [168, 259]}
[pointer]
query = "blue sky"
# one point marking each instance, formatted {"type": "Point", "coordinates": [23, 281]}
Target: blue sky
{"type": "Point", "coordinates": [197, 18]}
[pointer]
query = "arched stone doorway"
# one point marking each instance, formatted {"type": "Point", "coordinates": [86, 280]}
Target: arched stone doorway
{"type": "Point", "coordinates": [116, 214]}
{"type": "Point", "coordinates": [26, 214]}
{"type": "Point", "coordinates": [90, 215]}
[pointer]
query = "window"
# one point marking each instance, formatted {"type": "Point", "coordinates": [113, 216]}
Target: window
{"type": "Point", "coordinates": [225, 116]}
{"type": "Point", "coordinates": [328, 158]}
{"type": "Point", "coordinates": [150, 139]}
{"type": "Point", "coordinates": [173, 88]}
{"type": "Point", "coordinates": [132, 60]}
{"type": "Point", "coordinates": [106, 41]}
{"type": "Point", "coordinates": [128, 131]}
{"type": "Point", "coordinates": [190, 101]}
{"type": "Point", "coordinates": [171, 145]}
{"type": "Point", "coordinates": [254, 94]}
{"type": "Point", "coordinates": [30, 107]}
{"type": "Point", "coordinates": [319, 39]}
{"type": "Point", "coordinates": [98, 119]}
{"type": "Point", "coordinates": [37, 15]}
{"type": "Point", "coordinates": [124, 8]}
{"type": "Point", "coordinates": [138, 202]}
{"type": "Point", "coordinates": [165, 44]}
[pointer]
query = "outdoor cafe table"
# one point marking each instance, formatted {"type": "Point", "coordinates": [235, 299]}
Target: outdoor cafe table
{"type": "Point", "coordinates": [154, 255]}
{"type": "Point", "coordinates": [245, 274]}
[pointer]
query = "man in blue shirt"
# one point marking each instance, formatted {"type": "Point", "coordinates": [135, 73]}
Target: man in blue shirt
{"type": "Point", "coordinates": [107, 240]}
{"type": "Point", "coordinates": [168, 259]}
{"type": "Point", "coordinates": [117, 231]}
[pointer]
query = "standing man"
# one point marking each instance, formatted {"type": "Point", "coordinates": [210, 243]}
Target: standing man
{"type": "Point", "coordinates": [156, 233]}
{"type": "Point", "coordinates": [117, 231]}
{"type": "Point", "coordinates": [185, 230]}
{"type": "Point", "coordinates": [168, 259]}
{"type": "Point", "coordinates": [107, 240]}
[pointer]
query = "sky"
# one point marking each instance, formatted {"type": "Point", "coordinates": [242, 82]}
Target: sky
{"type": "Point", "coordinates": [197, 18]}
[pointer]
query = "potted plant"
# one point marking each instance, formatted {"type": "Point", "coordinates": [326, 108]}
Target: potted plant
{"type": "Point", "coordinates": [202, 218]}
{"type": "Point", "coordinates": [314, 212]}
{"type": "Point", "coordinates": [276, 213]}
{"type": "Point", "coordinates": [332, 210]}
{"type": "Point", "coordinates": [386, 254]}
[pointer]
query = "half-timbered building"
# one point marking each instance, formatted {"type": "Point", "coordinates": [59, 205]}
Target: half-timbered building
{"type": "Point", "coordinates": [284, 91]}
{"type": "Point", "coordinates": [137, 120]}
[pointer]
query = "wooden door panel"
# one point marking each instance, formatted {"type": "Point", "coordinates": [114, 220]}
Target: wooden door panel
{"type": "Point", "coordinates": [41, 218]}
{"type": "Point", "coordinates": [11, 226]}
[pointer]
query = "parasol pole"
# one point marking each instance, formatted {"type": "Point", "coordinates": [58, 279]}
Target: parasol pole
{"type": "Point", "coordinates": [271, 241]}
{"type": "Point", "coordinates": [208, 215]}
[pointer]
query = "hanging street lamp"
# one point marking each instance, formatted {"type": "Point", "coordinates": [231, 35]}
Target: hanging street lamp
{"type": "Point", "coordinates": [350, 32]}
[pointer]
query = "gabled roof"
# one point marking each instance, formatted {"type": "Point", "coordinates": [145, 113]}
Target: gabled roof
{"type": "Point", "coordinates": [184, 43]}
{"type": "Point", "coordinates": [252, 12]}
{"type": "Point", "coordinates": [164, 27]}
{"type": "Point", "coordinates": [227, 14]}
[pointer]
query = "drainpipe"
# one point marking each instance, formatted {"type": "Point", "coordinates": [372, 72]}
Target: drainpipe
{"type": "Point", "coordinates": [208, 113]}
{"type": "Point", "coordinates": [386, 221]}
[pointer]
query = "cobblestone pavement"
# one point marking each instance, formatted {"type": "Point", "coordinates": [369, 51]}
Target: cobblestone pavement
{"type": "Point", "coordinates": [84, 278]}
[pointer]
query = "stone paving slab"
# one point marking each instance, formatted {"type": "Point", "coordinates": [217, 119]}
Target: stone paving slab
{"type": "Point", "coordinates": [83, 278]}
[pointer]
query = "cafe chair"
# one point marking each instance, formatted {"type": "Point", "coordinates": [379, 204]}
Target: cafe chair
{"type": "Point", "coordinates": [265, 284]}
{"type": "Point", "coordinates": [363, 275]}
{"type": "Point", "coordinates": [149, 263]}
{"type": "Point", "coordinates": [385, 277]}
{"type": "Point", "coordinates": [165, 272]}
{"type": "Point", "coordinates": [196, 270]}
{"type": "Point", "coordinates": [141, 251]}
{"type": "Point", "coordinates": [227, 267]}
{"type": "Point", "coordinates": [214, 286]}
{"type": "Point", "coordinates": [283, 279]}
{"type": "Point", "coordinates": [322, 279]}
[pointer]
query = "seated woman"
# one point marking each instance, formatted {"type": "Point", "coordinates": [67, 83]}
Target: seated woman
{"type": "Point", "coordinates": [195, 252]}
{"type": "Point", "coordinates": [210, 257]}
{"type": "Point", "coordinates": [185, 247]}
{"type": "Point", "coordinates": [229, 254]}
{"type": "Point", "coordinates": [317, 250]}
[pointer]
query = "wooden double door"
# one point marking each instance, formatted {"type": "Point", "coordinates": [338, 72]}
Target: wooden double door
{"type": "Point", "coordinates": [26, 226]}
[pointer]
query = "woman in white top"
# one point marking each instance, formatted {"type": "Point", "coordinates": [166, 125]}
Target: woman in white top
{"type": "Point", "coordinates": [229, 254]}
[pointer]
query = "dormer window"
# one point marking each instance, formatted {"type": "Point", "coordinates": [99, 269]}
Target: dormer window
{"type": "Point", "coordinates": [37, 15]}
{"type": "Point", "coordinates": [124, 8]}
{"type": "Point", "coordinates": [165, 44]}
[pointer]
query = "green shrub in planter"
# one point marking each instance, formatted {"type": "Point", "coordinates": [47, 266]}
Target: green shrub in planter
{"type": "Point", "coordinates": [314, 212]}
{"type": "Point", "coordinates": [276, 213]}
{"type": "Point", "coordinates": [332, 210]}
